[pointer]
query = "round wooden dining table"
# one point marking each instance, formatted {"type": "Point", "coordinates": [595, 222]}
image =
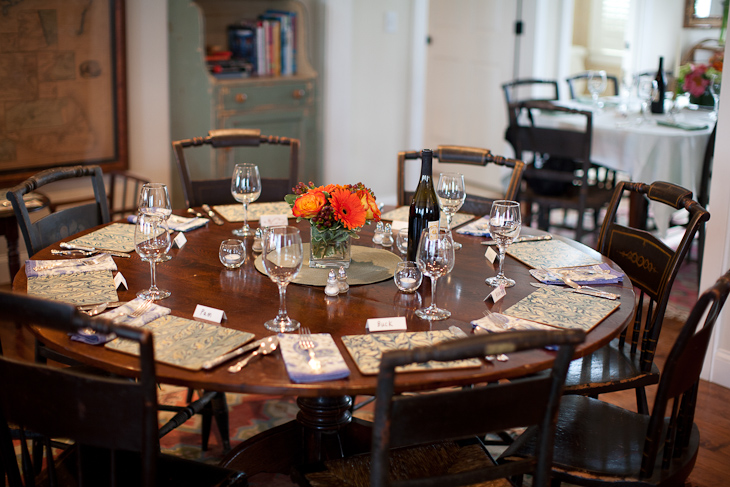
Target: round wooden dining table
{"type": "Point", "coordinates": [195, 276]}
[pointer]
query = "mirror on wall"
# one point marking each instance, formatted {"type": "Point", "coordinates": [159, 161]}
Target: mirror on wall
{"type": "Point", "coordinates": [703, 13]}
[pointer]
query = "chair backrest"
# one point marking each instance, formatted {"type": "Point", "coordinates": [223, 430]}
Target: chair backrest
{"type": "Point", "coordinates": [474, 204]}
{"type": "Point", "coordinates": [218, 191]}
{"type": "Point", "coordinates": [106, 417]}
{"type": "Point", "coordinates": [679, 381]}
{"type": "Point", "coordinates": [530, 89]}
{"type": "Point", "coordinates": [577, 85]}
{"type": "Point", "coordinates": [63, 223]}
{"type": "Point", "coordinates": [406, 420]}
{"type": "Point", "coordinates": [123, 193]}
{"type": "Point", "coordinates": [651, 264]}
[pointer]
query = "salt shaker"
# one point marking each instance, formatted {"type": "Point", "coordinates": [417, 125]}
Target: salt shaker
{"type": "Point", "coordinates": [258, 245]}
{"type": "Point", "coordinates": [387, 240]}
{"type": "Point", "coordinates": [378, 237]}
{"type": "Point", "coordinates": [332, 288]}
{"type": "Point", "coordinates": [342, 280]}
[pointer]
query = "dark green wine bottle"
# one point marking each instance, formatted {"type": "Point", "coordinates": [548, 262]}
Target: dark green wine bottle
{"type": "Point", "coordinates": [424, 207]}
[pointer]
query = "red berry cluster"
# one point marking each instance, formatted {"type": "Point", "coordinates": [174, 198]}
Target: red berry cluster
{"type": "Point", "coordinates": [325, 218]}
{"type": "Point", "coordinates": [302, 188]}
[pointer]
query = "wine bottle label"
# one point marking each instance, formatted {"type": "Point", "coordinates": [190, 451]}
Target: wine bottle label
{"type": "Point", "coordinates": [433, 230]}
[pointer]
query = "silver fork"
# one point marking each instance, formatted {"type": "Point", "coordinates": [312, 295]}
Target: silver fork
{"type": "Point", "coordinates": [306, 343]}
{"type": "Point", "coordinates": [146, 304]}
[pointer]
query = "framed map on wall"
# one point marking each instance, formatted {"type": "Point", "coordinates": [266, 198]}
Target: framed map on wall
{"type": "Point", "coordinates": [62, 86]}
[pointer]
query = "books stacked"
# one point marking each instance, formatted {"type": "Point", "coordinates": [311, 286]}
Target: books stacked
{"type": "Point", "coordinates": [267, 43]}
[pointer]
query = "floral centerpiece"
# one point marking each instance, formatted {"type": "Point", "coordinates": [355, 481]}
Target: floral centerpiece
{"type": "Point", "coordinates": [696, 79]}
{"type": "Point", "coordinates": [336, 214]}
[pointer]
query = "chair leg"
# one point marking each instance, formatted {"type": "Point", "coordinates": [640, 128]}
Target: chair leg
{"type": "Point", "coordinates": [220, 411]}
{"type": "Point", "coordinates": [642, 405]}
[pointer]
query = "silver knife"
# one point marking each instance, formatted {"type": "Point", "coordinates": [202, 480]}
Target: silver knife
{"type": "Point", "coordinates": [216, 219]}
{"type": "Point", "coordinates": [526, 238]}
{"type": "Point", "coordinates": [209, 364]}
{"type": "Point", "coordinates": [68, 246]}
{"type": "Point", "coordinates": [588, 292]}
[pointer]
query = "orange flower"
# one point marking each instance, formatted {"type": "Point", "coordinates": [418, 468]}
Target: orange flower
{"type": "Point", "coordinates": [309, 204]}
{"type": "Point", "coordinates": [372, 212]}
{"type": "Point", "coordinates": [348, 208]}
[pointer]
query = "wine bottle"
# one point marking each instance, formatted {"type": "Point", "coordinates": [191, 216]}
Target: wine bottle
{"type": "Point", "coordinates": [424, 211]}
{"type": "Point", "coordinates": [657, 103]}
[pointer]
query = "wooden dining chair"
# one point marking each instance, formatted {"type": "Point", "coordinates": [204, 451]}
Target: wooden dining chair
{"type": "Point", "coordinates": [532, 89]}
{"type": "Point", "coordinates": [433, 439]}
{"type": "Point", "coordinates": [111, 421]}
{"type": "Point", "coordinates": [577, 85]}
{"type": "Point", "coordinates": [477, 205]}
{"type": "Point", "coordinates": [218, 191]}
{"type": "Point", "coordinates": [561, 174]}
{"type": "Point", "coordinates": [599, 444]}
{"type": "Point", "coordinates": [628, 361]}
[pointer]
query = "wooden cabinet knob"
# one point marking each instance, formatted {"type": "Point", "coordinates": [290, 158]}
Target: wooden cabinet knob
{"type": "Point", "coordinates": [298, 94]}
{"type": "Point", "coordinates": [241, 97]}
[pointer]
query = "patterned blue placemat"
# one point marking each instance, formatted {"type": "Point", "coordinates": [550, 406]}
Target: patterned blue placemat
{"type": "Point", "coordinates": [117, 236]}
{"type": "Point", "coordinates": [78, 288]}
{"type": "Point", "coordinates": [234, 213]}
{"type": "Point", "coordinates": [549, 253]}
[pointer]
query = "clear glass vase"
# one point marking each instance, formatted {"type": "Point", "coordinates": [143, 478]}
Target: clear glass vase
{"type": "Point", "coordinates": [329, 248]}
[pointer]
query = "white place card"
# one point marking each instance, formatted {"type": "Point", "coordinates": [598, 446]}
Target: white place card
{"type": "Point", "coordinates": [498, 293]}
{"type": "Point", "coordinates": [119, 280]}
{"type": "Point", "coordinates": [491, 254]}
{"type": "Point", "coordinates": [273, 220]}
{"type": "Point", "coordinates": [209, 314]}
{"type": "Point", "coordinates": [180, 240]}
{"type": "Point", "coordinates": [386, 324]}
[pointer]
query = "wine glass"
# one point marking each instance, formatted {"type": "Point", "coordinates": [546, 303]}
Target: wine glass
{"type": "Point", "coordinates": [245, 187]}
{"type": "Point", "coordinates": [596, 86]}
{"type": "Point", "coordinates": [715, 91]}
{"type": "Point", "coordinates": [282, 258]}
{"type": "Point", "coordinates": [154, 200]}
{"type": "Point", "coordinates": [401, 241]}
{"type": "Point", "coordinates": [435, 258]}
{"type": "Point", "coordinates": [645, 91]}
{"type": "Point", "coordinates": [152, 242]}
{"type": "Point", "coordinates": [504, 225]}
{"type": "Point", "coordinates": [451, 195]}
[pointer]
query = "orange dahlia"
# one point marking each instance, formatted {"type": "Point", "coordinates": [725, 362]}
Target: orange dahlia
{"type": "Point", "coordinates": [348, 208]}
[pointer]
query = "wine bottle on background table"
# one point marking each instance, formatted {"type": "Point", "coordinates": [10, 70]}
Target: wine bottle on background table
{"type": "Point", "coordinates": [424, 207]}
{"type": "Point", "coordinates": [657, 103]}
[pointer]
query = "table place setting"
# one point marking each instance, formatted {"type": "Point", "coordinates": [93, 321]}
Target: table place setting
{"type": "Point", "coordinates": [548, 254]}
{"type": "Point", "coordinates": [497, 322]}
{"type": "Point", "coordinates": [476, 228]}
{"type": "Point", "coordinates": [582, 275]}
{"type": "Point", "coordinates": [118, 237]}
{"type": "Point", "coordinates": [234, 213]}
{"type": "Point", "coordinates": [312, 357]}
{"type": "Point", "coordinates": [178, 223]}
{"type": "Point", "coordinates": [136, 313]}
{"type": "Point", "coordinates": [75, 281]}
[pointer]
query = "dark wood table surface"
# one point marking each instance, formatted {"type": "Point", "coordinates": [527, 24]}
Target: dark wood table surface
{"type": "Point", "coordinates": [196, 276]}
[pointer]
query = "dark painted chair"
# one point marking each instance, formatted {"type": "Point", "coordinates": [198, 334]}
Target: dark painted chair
{"type": "Point", "coordinates": [532, 89]}
{"type": "Point", "coordinates": [601, 444]}
{"type": "Point", "coordinates": [433, 439]}
{"type": "Point", "coordinates": [477, 205]}
{"type": "Point", "coordinates": [628, 361]}
{"type": "Point", "coordinates": [218, 191]}
{"type": "Point", "coordinates": [577, 85]}
{"type": "Point", "coordinates": [112, 421]}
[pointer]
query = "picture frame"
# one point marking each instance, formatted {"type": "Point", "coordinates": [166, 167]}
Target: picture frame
{"type": "Point", "coordinates": [63, 94]}
{"type": "Point", "coordinates": [710, 20]}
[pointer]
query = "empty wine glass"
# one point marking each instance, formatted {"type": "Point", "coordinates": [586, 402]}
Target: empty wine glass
{"type": "Point", "coordinates": [282, 258]}
{"type": "Point", "coordinates": [715, 91]}
{"type": "Point", "coordinates": [504, 225]}
{"type": "Point", "coordinates": [435, 258]}
{"type": "Point", "coordinates": [245, 188]}
{"type": "Point", "coordinates": [451, 195]}
{"type": "Point", "coordinates": [401, 241]}
{"type": "Point", "coordinates": [154, 200]}
{"type": "Point", "coordinates": [152, 242]}
{"type": "Point", "coordinates": [645, 91]}
{"type": "Point", "coordinates": [596, 86]}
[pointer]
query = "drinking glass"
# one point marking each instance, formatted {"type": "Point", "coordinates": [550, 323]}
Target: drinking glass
{"type": "Point", "coordinates": [401, 241]}
{"type": "Point", "coordinates": [232, 253]}
{"type": "Point", "coordinates": [504, 225]}
{"type": "Point", "coordinates": [407, 276]}
{"type": "Point", "coordinates": [152, 242]}
{"type": "Point", "coordinates": [715, 91]}
{"type": "Point", "coordinates": [245, 188]}
{"type": "Point", "coordinates": [435, 258]}
{"type": "Point", "coordinates": [596, 86]}
{"type": "Point", "coordinates": [645, 91]}
{"type": "Point", "coordinates": [282, 258]}
{"type": "Point", "coordinates": [154, 200]}
{"type": "Point", "coordinates": [451, 195]}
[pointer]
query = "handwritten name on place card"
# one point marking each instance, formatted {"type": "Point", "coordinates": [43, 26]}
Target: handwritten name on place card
{"type": "Point", "coordinates": [386, 324]}
{"type": "Point", "coordinates": [209, 314]}
{"type": "Point", "coordinates": [273, 220]}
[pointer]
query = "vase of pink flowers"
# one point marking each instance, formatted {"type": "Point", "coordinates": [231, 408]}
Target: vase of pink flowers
{"type": "Point", "coordinates": [697, 78]}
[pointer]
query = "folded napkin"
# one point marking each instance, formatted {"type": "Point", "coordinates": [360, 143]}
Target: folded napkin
{"type": "Point", "coordinates": [502, 322]}
{"type": "Point", "coordinates": [583, 275]}
{"type": "Point", "coordinates": [682, 125]}
{"type": "Point", "coordinates": [477, 228]}
{"type": "Point", "coordinates": [120, 315]}
{"type": "Point", "coordinates": [296, 359]}
{"type": "Point", "coordinates": [178, 223]}
{"type": "Point", "coordinates": [62, 267]}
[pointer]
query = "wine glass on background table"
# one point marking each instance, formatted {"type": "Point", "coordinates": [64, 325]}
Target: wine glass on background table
{"type": "Point", "coordinates": [505, 223]}
{"type": "Point", "coordinates": [596, 86]}
{"type": "Point", "coordinates": [451, 194]}
{"type": "Point", "coordinates": [154, 201]}
{"type": "Point", "coordinates": [152, 242]}
{"type": "Point", "coordinates": [245, 188]}
{"type": "Point", "coordinates": [645, 91]}
{"type": "Point", "coordinates": [282, 257]}
{"type": "Point", "coordinates": [435, 258]}
{"type": "Point", "coordinates": [715, 91]}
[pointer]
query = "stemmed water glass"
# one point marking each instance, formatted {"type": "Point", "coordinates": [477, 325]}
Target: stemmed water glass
{"type": "Point", "coordinates": [596, 86]}
{"type": "Point", "coordinates": [504, 225]}
{"type": "Point", "coordinates": [645, 90]}
{"type": "Point", "coordinates": [435, 258]}
{"type": "Point", "coordinates": [152, 242]}
{"type": "Point", "coordinates": [282, 258]}
{"type": "Point", "coordinates": [715, 91]}
{"type": "Point", "coordinates": [245, 188]}
{"type": "Point", "coordinates": [451, 195]}
{"type": "Point", "coordinates": [154, 200]}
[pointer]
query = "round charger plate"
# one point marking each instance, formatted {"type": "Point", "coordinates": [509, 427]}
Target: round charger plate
{"type": "Point", "coordinates": [368, 265]}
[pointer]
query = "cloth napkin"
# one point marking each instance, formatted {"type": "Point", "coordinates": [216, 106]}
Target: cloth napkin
{"type": "Point", "coordinates": [477, 228]}
{"type": "Point", "coordinates": [583, 275]}
{"type": "Point", "coordinates": [178, 223]}
{"type": "Point", "coordinates": [296, 359]}
{"type": "Point", "coordinates": [61, 267]}
{"type": "Point", "coordinates": [120, 315]}
{"type": "Point", "coordinates": [682, 125]}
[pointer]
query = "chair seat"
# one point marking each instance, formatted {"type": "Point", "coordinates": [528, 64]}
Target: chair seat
{"type": "Point", "coordinates": [608, 369]}
{"type": "Point", "coordinates": [406, 463]}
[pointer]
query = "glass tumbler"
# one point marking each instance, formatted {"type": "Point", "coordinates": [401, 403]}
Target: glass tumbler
{"type": "Point", "coordinates": [407, 276]}
{"type": "Point", "coordinates": [232, 253]}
